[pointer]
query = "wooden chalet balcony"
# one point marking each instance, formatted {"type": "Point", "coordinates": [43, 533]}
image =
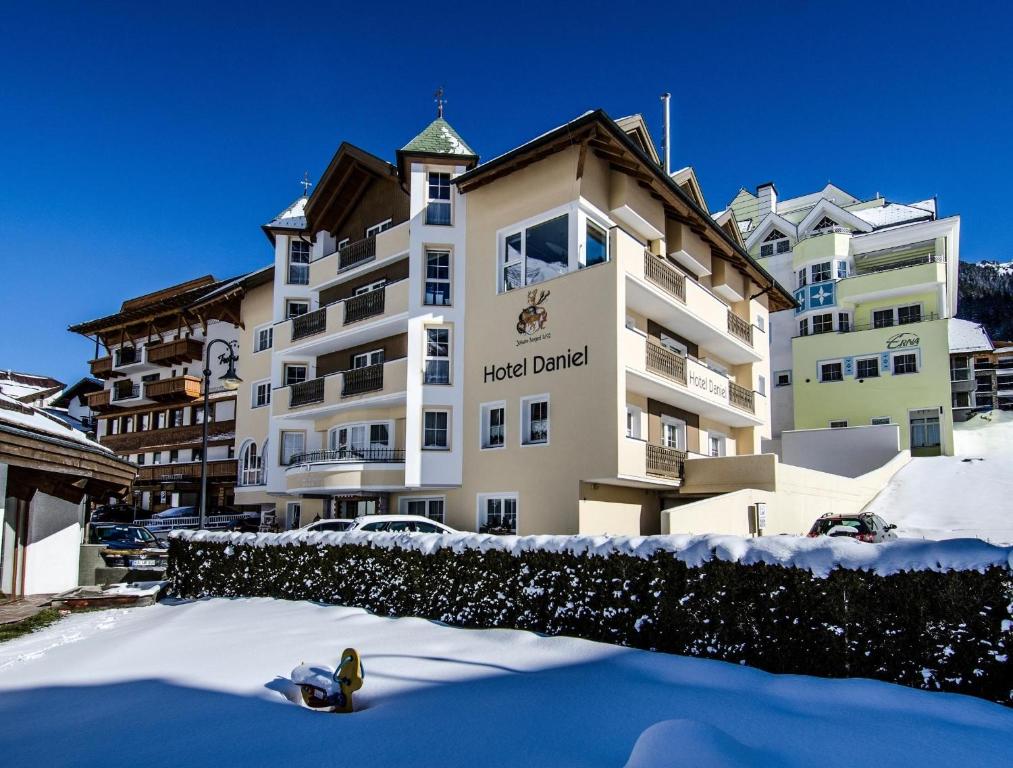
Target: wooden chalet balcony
{"type": "Point", "coordinates": [741, 397]}
{"type": "Point", "coordinates": [666, 362]}
{"type": "Point", "coordinates": [665, 461]}
{"type": "Point", "coordinates": [218, 469]}
{"type": "Point", "coordinates": [176, 389]}
{"type": "Point", "coordinates": [99, 401]}
{"type": "Point", "coordinates": [102, 367]}
{"type": "Point", "coordinates": [132, 442]}
{"type": "Point", "coordinates": [175, 352]}
{"type": "Point", "coordinates": [354, 254]}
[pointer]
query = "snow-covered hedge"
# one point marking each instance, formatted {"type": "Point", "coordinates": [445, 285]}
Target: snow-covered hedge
{"type": "Point", "coordinates": [932, 615]}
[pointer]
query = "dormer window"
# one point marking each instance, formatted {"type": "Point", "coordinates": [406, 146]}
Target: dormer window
{"type": "Point", "coordinates": [775, 242]}
{"type": "Point", "coordinates": [438, 199]}
{"type": "Point", "coordinates": [826, 223]}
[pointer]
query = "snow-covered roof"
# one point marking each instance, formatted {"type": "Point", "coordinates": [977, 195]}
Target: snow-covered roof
{"type": "Point", "coordinates": [966, 336]}
{"type": "Point", "coordinates": [891, 214]}
{"type": "Point", "coordinates": [27, 417]}
{"type": "Point", "coordinates": [293, 217]}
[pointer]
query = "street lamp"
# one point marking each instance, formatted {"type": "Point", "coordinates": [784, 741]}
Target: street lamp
{"type": "Point", "coordinates": [230, 381]}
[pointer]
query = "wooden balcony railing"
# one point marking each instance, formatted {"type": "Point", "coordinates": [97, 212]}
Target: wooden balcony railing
{"type": "Point", "coordinates": [309, 324]}
{"type": "Point", "coordinates": [178, 388]}
{"type": "Point", "coordinates": [102, 367]}
{"type": "Point", "coordinates": [175, 352]}
{"type": "Point", "coordinates": [306, 392]}
{"type": "Point", "coordinates": [741, 397]}
{"type": "Point", "coordinates": [666, 362]}
{"type": "Point", "coordinates": [219, 469]}
{"type": "Point", "coordinates": [665, 461]}
{"type": "Point", "coordinates": [365, 305]}
{"type": "Point", "coordinates": [168, 437]}
{"type": "Point", "coordinates": [359, 380]}
{"type": "Point", "coordinates": [739, 328]}
{"type": "Point", "coordinates": [357, 253]}
{"type": "Point", "coordinates": [665, 277]}
{"type": "Point", "coordinates": [98, 401]}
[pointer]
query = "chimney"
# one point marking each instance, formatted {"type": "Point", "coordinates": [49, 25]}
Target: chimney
{"type": "Point", "coordinates": [767, 193]}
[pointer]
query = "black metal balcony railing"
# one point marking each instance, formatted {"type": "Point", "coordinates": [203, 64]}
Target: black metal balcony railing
{"type": "Point", "coordinates": [365, 305]}
{"type": "Point", "coordinates": [126, 392]}
{"type": "Point", "coordinates": [359, 380]}
{"type": "Point", "coordinates": [309, 324]}
{"type": "Point", "coordinates": [741, 397]}
{"type": "Point", "coordinates": [874, 327]}
{"type": "Point", "coordinates": [665, 461]}
{"type": "Point", "coordinates": [351, 455]}
{"type": "Point", "coordinates": [306, 392]}
{"type": "Point", "coordinates": [665, 277]}
{"type": "Point", "coordinates": [666, 362]}
{"type": "Point", "coordinates": [739, 328]}
{"type": "Point", "coordinates": [357, 253]}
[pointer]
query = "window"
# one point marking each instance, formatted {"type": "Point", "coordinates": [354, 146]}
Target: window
{"type": "Point", "coordinates": [128, 424]}
{"type": "Point", "coordinates": [802, 282]}
{"type": "Point", "coordinates": [292, 444]}
{"type": "Point", "coordinates": [176, 417]}
{"type": "Point", "coordinates": [961, 399]}
{"type": "Point", "coordinates": [535, 420]}
{"type": "Point", "coordinates": [905, 363]}
{"type": "Point", "coordinates": [431, 508]}
{"type": "Point", "coordinates": [261, 394]}
{"type": "Point", "coordinates": [294, 308]}
{"type": "Point", "coordinates": [293, 513]}
{"type": "Point", "coordinates": [673, 433]}
{"type": "Point", "coordinates": [823, 323]}
{"type": "Point", "coordinates": [376, 229]}
{"type": "Point", "coordinates": [782, 379]}
{"type": "Point", "coordinates": [173, 456]}
{"type": "Point", "coordinates": [803, 327]}
{"type": "Point", "coordinates": [831, 371]}
{"type": "Point", "coordinates": [140, 460]}
{"type": "Point", "coordinates": [437, 358]}
{"type": "Point", "coordinates": [761, 323]}
{"type": "Point", "coordinates": [821, 272]}
{"type": "Point", "coordinates": [843, 322]}
{"type": "Point", "coordinates": [294, 374]}
{"type": "Point", "coordinates": [825, 223]}
{"type": "Point", "coordinates": [761, 385]}
{"type": "Point", "coordinates": [839, 424]}
{"type": "Point", "coordinates": [437, 279]}
{"type": "Point", "coordinates": [595, 245]}
{"type": "Point", "coordinates": [298, 262]}
{"type": "Point", "coordinates": [867, 367]}
{"type": "Point", "coordinates": [250, 465]}
{"type": "Point", "coordinates": [196, 455]}
{"type": "Point", "coordinates": [376, 285]}
{"type": "Point", "coordinates": [343, 243]}
{"type": "Point", "coordinates": [882, 318]}
{"type": "Point", "coordinates": [160, 420]}
{"type": "Point", "coordinates": [716, 445]}
{"type": "Point", "coordinates": [370, 441]}
{"type": "Point", "coordinates": [438, 199]}
{"type": "Point", "coordinates": [783, 246]}
{"type": "Point", "coordinates": [909, 314]}
{"type": "Point", "coordinates": [493, 418]}
{"type": "Point", "coordinates": [263, 339]}
{"type": "Point", "coordinates": [156, 457]}
{"type": "Point", "coordinates": [366, 359]}
{"type": "Point", "coordinates": [767, 249]}
{"type": "Point", "coordinates": [880, 420]}
{"type": "Point", "coordinates": [672, 344]}
{"type": "Point", "coordinates": [497, 514]}
{"type": "Point", "coordinates": [842, 269]}
{"type": "Point", "coordinates": [633, 421]}
{"type": "Point", "coordinates": [143, 420]}
{"type": "Point", "coordinates": [537, 253]}
{"type": "Point", "coordinates": [435, 434]}
{"type": "Point", "coordinates": [924, 428]}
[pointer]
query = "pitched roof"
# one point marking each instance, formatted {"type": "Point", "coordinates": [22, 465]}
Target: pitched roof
{"type": "Point", "coordinates": [439, 138]}
{"type": "Point", "coordinates": [293, 217]}
{"type": "Point", "coordinates": [966, 336]}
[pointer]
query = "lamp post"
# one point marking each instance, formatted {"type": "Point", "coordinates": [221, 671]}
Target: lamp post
{"type": "Point", "coordinates": [230, 381]}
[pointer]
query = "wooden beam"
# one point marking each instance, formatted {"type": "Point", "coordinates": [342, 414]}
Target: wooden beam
{"type": "Point", "coordinates": [581, 156]}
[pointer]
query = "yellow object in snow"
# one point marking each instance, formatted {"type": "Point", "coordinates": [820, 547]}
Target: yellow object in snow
{"type": "Point", "coordinates": [322, 689]}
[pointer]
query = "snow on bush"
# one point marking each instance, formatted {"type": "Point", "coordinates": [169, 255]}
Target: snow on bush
{"type": "Point", "coordinates": [931, 615]}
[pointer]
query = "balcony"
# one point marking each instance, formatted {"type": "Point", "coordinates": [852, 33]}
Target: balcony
{"type": "Point", "coordinates": [176, 389]}
{"type": "Point", "coordinates": [358, 381]}
{"type": "Point", "coordinates": [102, 367]}
{"type": "Point", "coordinates": [175, 352]}
{"type": "Point", "coordinates": [218, 469]}
{"type": "Point", "coordinates": [127, 356]}
{"type": "Point", "coordinates": [354, 254]}
{"type": "Point", "coordinates": [665, 462]}
{"type": "Point", "coordinates": [350, 456]}
{"type": "Point", "coordinates": [306, 392]}
{"type": "Point", "coordinates": [661, 374]}
{"type": "Point", "coordinates": [126, 390]}
{"type": "Point", "coordinates": [345, 390]}
{"type": "Point", "coordinates": [132, 442]}
{"type": "Point", "coordinates": [656, 289]}
{"type": "Point", "coordinates": [353, 321]}
{"type": "Point", "coordinates": [649, 465]}
{"type": "Point", "coordinates": [889, 281]}
{"type": "Point", "coordinates": [99, 401]}
{"type": "Point", "coordinates": [334, 267]}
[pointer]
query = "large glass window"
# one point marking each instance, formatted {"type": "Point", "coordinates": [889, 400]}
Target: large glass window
{"type": "Point", "coordinates": [299, 262]}
{"type": "Point", "coordinates": [437, 278]}
{"type": "Point", "coordinates": [294, 308]}
{"type": "Point", "coordinates": [292, 444]}
{"type": "Point", "coordinates": [369, 441]}
{"type": "Point", "coordinates": [437, 362]}
{"type": "Point", "coordinates": [497, 514]}
{"type": "Point", "coordinates": [595, 245]}
{"type": "Point", "coordinates": [536, 254]}
{"type": "Point", "coordinates": [438, 199]}
{"type": "Point", "coordinates": [251, 465]}
{"type": "Point", "coordinates": [435, 434]}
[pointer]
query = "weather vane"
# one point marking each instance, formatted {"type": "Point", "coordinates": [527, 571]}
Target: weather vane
{"type": "Point", "coordinates": [440, 101]}
{"type": "Point", "coordinates": [306, 183]}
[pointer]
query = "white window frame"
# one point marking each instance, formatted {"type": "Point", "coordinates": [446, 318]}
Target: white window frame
{"type": "Point", "coordinates": [777, 378]}
{"type": "Point", "coordinates": [447, 281]}
{"type": "Point", "coordinates": [722, 444]}
{"type": "Point", "coordinates": [525, 422]}
{"type": "Point", "coordinates": [448, 201]}
{"type": "Point", "coordinates": [914, 353]}
{"type": "Point", "coordinates": [821, 316]}
{"type": "Point", "coordinates": [678, 427]}
{"type": "Point", "coordinates": [446, 445]}
{"type": "Point", "coordinates": [293, 241]}
{"type": "Point", "coordinates": [761, 385]}
{"type": "Point", "coordinates": [376, 285]}
{"type": "Point", "coordinates": [761, 323]}
{"type": "Point", "coordinates": [426, 357]}
{"type": "Point", "coordinates": [253, 475]}
{"type": "Point", "coordinates": [281, 444]}
{"type": "Point", "coordinates": [379, 227]}
{"type": "Point", "coordinates": [485, 425]}
{"type": "Point", "coordinates": [373, 357]}
{"type": "Point", "coordinates": [583, 220]}
{"type": "Point", "coordinates": [879, 420]}
{"type": "Point", "coordinates": [342, 243]}
{"type": "Point", "coordinates": [255, 389]}
{"type": "Point", "coordinates": [838, 423]}
{"type": "Point", "coordinates": [846, 315]}
{"type": "Point", "coordinates": [257, 347]}
{"type": "Point", "coordinates": [482, 500]}
{"type": "Point", "coordinates": [404, 501]}
{"type": "Point", "coordinates": [865, 358]}
{"type": "Point", "coordinates": [284, 373]}
{"type": "Point", "coordinates": [819, 371]}
{"type": "Point", "coordinates": [334, 432]}
{"type": "Point", "coordinates": [634, 418]}
{"type": "Point", "coordinates": [899, 307]}
{"type": "Point", "coordinates": [288, 307]}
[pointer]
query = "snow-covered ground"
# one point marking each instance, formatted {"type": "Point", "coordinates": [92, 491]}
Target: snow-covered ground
{"type": "Point", "coordinates": [969, 494]}
{"type": "Point", "coordinates": [205, 683]}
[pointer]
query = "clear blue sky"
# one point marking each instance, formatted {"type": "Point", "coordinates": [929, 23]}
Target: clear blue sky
{"type": "Point", "coordinates": [143, 144]}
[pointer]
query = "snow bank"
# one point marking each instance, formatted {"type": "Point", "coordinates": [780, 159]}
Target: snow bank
{"type": "Point", "coordinates": [820, 556]}
{"type": "Point", "coordinates": [694, 744]}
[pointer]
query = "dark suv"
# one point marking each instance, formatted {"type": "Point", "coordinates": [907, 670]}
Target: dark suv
{"type": "Point", "coordinates": [114, 513]}
{"type": "Point", "coordinates": [861, 527]}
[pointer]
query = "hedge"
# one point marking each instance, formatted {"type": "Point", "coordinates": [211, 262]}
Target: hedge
{"type": "Point", "coordinates": [946, 631]}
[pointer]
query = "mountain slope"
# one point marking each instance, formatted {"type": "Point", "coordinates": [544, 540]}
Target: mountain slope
{"type": "Point", "coordinates": [985, 295]}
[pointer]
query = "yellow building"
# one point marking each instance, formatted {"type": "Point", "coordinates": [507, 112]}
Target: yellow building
{"type": "Point", "coordinates": [535, 344]}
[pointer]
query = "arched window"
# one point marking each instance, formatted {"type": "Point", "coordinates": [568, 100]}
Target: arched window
{"type": "Point", "coordinates": [251, 465]}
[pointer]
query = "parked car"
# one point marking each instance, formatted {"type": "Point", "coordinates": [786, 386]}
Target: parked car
{"type": "Point", "coordinates": [399, 523]}
{"type": "Point", "coordinates": [861, 527]}
{"type": "Point", "coordinates": [174, 512]}
{"type": "Point", "coordinates": [129, 546]}
{"type": "Point", "coordinates": [248, 523]}
{"type": "Point", "coordinates": [329, 525]}
{"type": "Point", "coordinates": [114, 513]}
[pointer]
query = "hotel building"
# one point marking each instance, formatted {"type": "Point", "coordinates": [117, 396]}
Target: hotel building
{"type": "Point", "coordinates": [540, 343]}
{"type": "Point", "coordinates": [150, 356]}
{"type": "Point", "coordinates": [875, 285]}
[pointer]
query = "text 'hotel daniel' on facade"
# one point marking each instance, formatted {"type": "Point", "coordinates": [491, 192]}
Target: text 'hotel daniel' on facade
{"type": "Point", "coordinates": [536, 344]}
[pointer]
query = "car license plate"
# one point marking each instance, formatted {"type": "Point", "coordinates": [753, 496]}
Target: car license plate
{"type": "Point", "coordinates": [144, 563]}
